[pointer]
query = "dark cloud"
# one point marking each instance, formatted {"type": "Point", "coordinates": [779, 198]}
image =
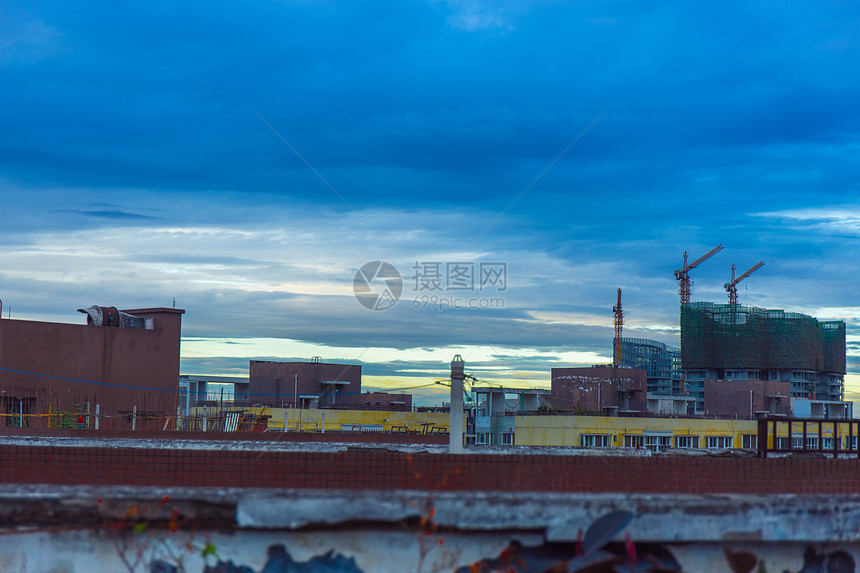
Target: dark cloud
{"type": "Point", "coordinates": [717, 120]}
{"type": "Point", "coordinates": [114, 215]}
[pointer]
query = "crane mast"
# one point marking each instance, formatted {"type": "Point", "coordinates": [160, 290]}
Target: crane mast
{"type": "Point", "coordinates": [619, 323]}
{"type": "Point", "coordinates": [732, 285]}
{"type": "Point", "coordinates": [683, 275]}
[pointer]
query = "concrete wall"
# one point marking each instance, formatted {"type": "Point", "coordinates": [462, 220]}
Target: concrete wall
{"type": "Point", "coordinates": [67, 368]}
{"type": "Point", "coordinates": [154, 529]}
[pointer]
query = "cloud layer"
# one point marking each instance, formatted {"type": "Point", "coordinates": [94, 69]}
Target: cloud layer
{"type": "Point", "coordinates": [247, 161]}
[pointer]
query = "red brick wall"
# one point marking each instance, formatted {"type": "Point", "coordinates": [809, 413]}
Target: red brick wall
{"type": "Point", "coordinates": [375, 469]}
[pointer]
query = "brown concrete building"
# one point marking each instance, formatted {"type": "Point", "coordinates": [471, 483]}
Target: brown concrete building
{"type": "Point", "coordinates": [384, 401]}
{"type": "Point", "coordinates": [125, 364]}
{"type": "Point", "coordinates": [747, 398]}
{"type": "Point", "coordinates": [599, 389]}
{"type": "Point", "coordinates": [314, 384]}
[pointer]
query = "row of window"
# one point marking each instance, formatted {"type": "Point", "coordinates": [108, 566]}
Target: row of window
{"type": "Point", "coordinates": [486, 439]}
{"type": "Point", "coordinates": [660, 443]}
{"type": "Point", "coordinates": [796, 443]}
{"type": "Point", "coordinates": [748, 441]}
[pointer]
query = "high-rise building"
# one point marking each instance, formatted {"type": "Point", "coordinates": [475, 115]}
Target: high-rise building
{"type": "Point", "coordinates": [735, 342]}
{"type": "Point", "coordinates": [661, 362]}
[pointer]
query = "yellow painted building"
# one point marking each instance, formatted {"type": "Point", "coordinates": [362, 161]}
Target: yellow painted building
{"type": "Point", "coordinates": [813, 434]}
{"type": "Point", "coordinates": [651, 433]}
{"type": "Point", "coordinates": [353, 420]}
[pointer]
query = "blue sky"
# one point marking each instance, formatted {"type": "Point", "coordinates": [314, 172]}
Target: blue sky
{"type": "Point", "coordinates": [247, 160]}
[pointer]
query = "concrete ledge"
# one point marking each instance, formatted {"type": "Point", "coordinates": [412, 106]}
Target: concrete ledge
{"type": "Point", "coordinates": [556, 517]}
{"type": "Point", "coordinates": [50, 528]}
{"type": "Point", "coordinates": [658, 518]}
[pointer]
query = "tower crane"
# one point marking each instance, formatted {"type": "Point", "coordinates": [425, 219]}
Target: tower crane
{"type": "Point", "coordinates": [682, 274]}
{"type": "Point", "coordinates": [732, 285]}
{"type": "Point", "coordinates": [619, 323]}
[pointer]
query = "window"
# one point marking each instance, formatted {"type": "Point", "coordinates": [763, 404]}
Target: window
{"type": "Point", "coordinates": [783, 443]}
{"type": "Point", "coordinates": [827, 443]}
{"type": "Point", "coordinates": [719, 442]}
{"type": "Point", "coordinates": [19, 410]}
{"type": "Point", "coordinates": [483, 438]}
{"type": "Point", "coordinates": [749, 441]}
{"type": "Point", "coordinates": [798, 444]}
{"type": "Point", "coordinates": [508, 439]}
{"type": "Point", "coordinates": [633, 441]}
{"type": "Point", "coordinates": [595, 440]}
{"type": "Point", "coordinates": [657, 443]}
{"type": "Point", "coordinates": [686, 441]}
{"type": "Point", "coordinates": [851, 442]}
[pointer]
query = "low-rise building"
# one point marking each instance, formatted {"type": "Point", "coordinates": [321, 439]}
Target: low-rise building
{"type": "Point", "coordinates": [314, 384]}
{"type": "Point", "coordinates": [599, 389]}
{"type": "Point", "coordinates": [386, 401]}
{"type": "Point", "coordinates": [656, 434]}
{"type": "Point", "coordinates": [120, 370]}
{"type": "Point", "coordinates": [746, 398]}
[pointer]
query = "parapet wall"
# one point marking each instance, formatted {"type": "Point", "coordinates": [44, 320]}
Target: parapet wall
{"type": "Point", "coordinates": [383, 469]}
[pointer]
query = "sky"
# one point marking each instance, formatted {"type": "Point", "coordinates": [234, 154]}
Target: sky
{"type": "Point", "coordinates": [518, 161]}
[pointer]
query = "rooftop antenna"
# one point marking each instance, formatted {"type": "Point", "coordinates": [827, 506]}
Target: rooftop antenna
{"type": "Point", "coordinates": [619, 323]}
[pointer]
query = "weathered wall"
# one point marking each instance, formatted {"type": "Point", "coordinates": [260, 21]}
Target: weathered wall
{"type": "Point", "coordinates": [165, 530]}
{"type": "Point", "coordinates": [599, 387]}
{"type": "Point", "coordinates": [310, 420]}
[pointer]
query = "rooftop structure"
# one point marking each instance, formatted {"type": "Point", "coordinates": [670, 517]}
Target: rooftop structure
{"type": "Point", "coordinates": [495, 409]}
{"type": "Point", "coordinates": [199, 390]}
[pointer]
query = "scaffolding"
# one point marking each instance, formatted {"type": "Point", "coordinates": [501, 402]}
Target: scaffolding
{"type": "Point", "coordinates": [725, 336]}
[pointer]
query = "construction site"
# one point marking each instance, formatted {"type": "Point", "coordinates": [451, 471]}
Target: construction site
{"type": "Point", "coordinates": [729, 350]}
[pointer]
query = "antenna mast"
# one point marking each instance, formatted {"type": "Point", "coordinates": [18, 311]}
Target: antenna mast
{"type": "Point", "coordinates": [619, 324]}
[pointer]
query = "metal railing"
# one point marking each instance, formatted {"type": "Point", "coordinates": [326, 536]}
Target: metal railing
{"type": "Point", "coordinates": [805, 435]}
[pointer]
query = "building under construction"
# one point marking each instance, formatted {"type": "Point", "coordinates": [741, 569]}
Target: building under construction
{"type": "Point", "coordinates": [735, 342]}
